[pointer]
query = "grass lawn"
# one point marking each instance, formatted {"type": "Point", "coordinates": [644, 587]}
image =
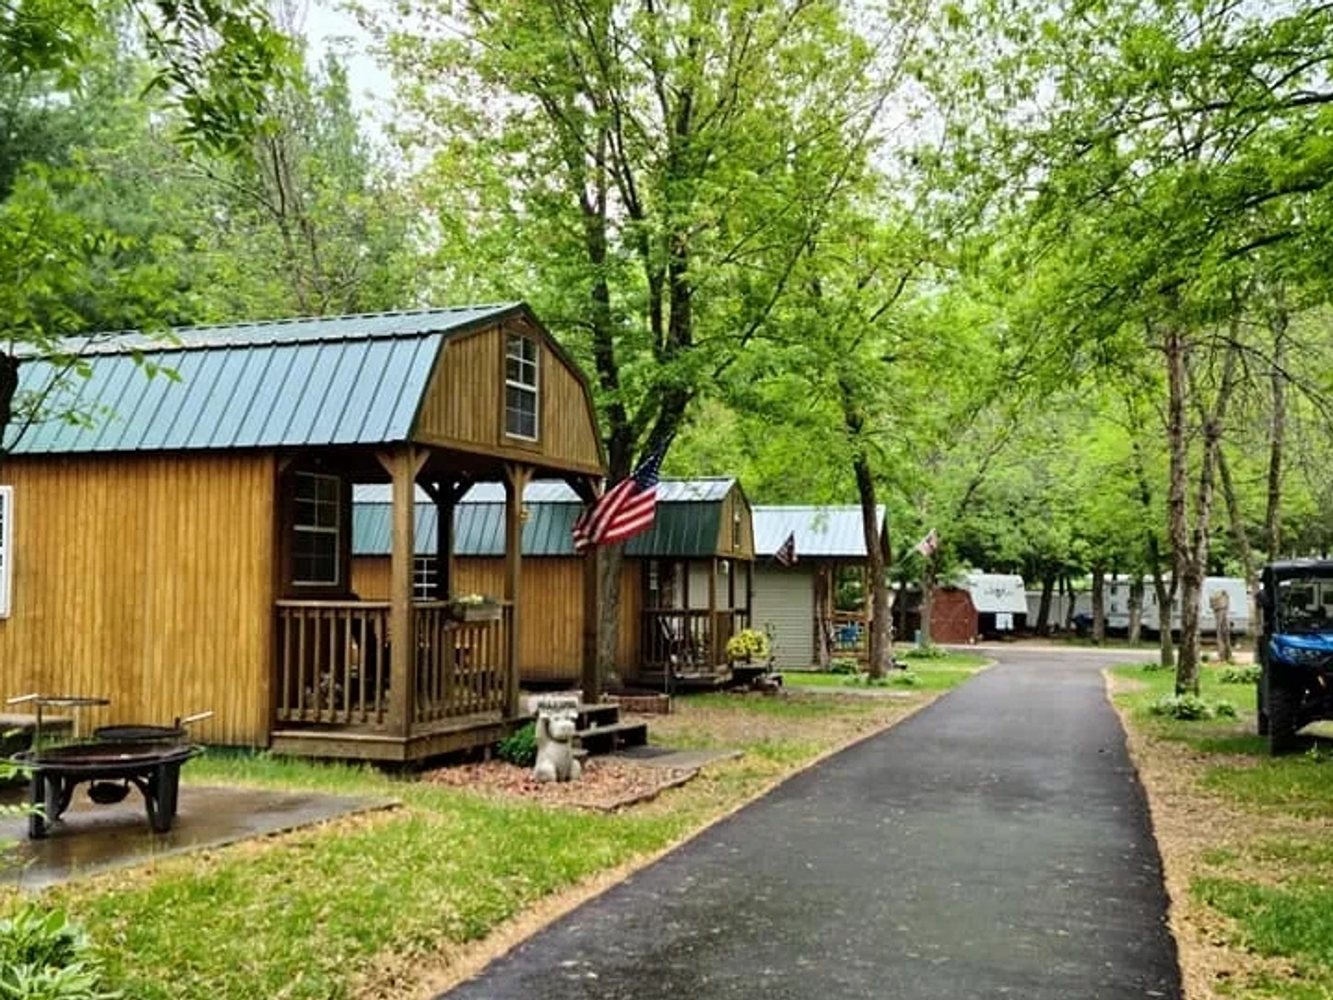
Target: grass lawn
{"type": "Point", "coordinates": [382, 905]}
{"type": "Point", "coordinates": [936, 673]}
{"type": "Point", "coordinates": [1245, 839]}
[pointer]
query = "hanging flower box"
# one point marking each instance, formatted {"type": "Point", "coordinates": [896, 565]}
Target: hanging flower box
{"type": "Point", "coordinates": [474, 609]}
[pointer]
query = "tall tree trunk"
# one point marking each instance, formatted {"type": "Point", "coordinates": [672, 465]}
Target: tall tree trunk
{"type": "Point", "coordinates": [1277, 430]}
{"type": "Point", "coordinates": [609, 568]}
{"type": "Point", "coordinates": [1136, 610]}
{"type": "Point", "coordinates": [1184, 574]}
{"type": "Point", "coordinates": [1098, 603]}
{"type": "Point", "coordinates": [1241, 537]}
{"type": "Point", "coordinates": [881, 625]}
{"type": "Point", "coordinates": [1165, 597]}
{"type": "Point", "coordinates": [1044, 607]}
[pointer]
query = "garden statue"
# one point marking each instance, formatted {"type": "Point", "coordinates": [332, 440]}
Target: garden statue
{"type": "Point", "coordinates": [555, 746]}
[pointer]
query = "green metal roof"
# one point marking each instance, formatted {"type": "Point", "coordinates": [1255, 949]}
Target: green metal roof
{"type": "Point", "coordinates": [684, 527]}
{"type": "Point", "coordinates": [326, 381]}
{"type": "Point", "coordinates": [821, 532]}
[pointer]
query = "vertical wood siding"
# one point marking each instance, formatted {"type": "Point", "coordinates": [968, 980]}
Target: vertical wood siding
{"type": "Point", "coordinates": [464, 404]}
{"type": "Point", "coordinates": [733, 503]}
{"type": "Point", "coordinates": [147, 580]}
{"type": "Point", "coordinates": [551, 644]}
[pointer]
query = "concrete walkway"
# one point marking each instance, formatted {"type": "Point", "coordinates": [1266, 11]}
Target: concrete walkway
{"type": "Point", "coordinates": [994, 845]}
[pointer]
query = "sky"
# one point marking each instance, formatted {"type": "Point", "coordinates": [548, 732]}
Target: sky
{"type": "Point", "coordinates": [328, 28]}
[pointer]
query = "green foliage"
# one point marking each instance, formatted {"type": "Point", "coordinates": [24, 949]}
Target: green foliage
{"type": "Point", "coordinates": [520, 746]}
{"type": "Point", "coordinates": [748, 644]}
{"type": "Point", "coordinates": [1190, 707]}
{"type": "Point", "coordinates": [1248, 674]}
{"type": "Point", "coordinates": [904, 678]}
{"type": "Point", "coordinates": [931, 652]}
{"type": "Point", "coordinates": [44, 956]}
{"type": "Point", "coordinates": [1291, 921]}
{"type": "Point", "coordinates": [844, 665]}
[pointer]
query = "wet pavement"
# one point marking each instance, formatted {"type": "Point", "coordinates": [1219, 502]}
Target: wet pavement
{"type": "Point", "coordinates": [93, 838]}
{"type": "Point", "coordinates": [995, 844]}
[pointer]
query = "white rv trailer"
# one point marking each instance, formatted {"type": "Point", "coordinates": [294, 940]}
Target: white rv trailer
{"type": "Point", "coordinates": [1117, 605]}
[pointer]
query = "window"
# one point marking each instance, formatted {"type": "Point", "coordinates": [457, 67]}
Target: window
{"type": "Point", "coordinates": [317, 529]}
{"type": "Point", "coordinates": [521, 387]}
{"type": "Point", "coordinates": [425, 577]}
{"type": "Point", "coordinates": [6, 546]}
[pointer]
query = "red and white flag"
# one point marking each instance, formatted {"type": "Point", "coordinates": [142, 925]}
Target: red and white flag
{"type": "Point", "coordinates": [625, 509]}
{"type": "Point", "coordinates": [928, 545]}
{"type": "Point", "coordinates": [786, 553]}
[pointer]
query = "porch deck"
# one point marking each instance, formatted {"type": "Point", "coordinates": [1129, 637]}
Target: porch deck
{"type": "Point", "coordinates": [688, 648]}
{"type": "Point", "coordinates": [341, 694]}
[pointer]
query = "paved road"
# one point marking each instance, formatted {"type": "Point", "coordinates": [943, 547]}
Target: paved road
{"type": "Point", "coordinates": [994, 845]}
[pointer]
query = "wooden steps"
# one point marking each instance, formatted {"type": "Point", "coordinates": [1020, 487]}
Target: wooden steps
{"type": "Point", "coordinates": [601, 730]}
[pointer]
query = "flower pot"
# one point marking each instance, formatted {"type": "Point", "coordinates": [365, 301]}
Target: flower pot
{"type": "Point", "coordinates": [478, 612]}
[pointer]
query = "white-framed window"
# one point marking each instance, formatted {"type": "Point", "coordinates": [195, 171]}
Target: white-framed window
{"type": "Point", "coordinates": [317, 525]}
{"type": "Point", "coordinates": [521, 389]}
{"type": "Point", "coordinates": [6, 548]}
{"type": "Point", "coordinates": [425, 575]}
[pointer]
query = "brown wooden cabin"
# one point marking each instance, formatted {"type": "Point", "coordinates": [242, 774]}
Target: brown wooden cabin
{"type": "Point", "coordinates": [817, 609]}
{"type": "Point", "coordinates": [670, 614]}
{"type": "Point", "coordinates": [189, 548]}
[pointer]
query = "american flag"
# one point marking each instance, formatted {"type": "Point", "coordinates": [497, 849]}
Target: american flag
{"type": "Point", "coordinates": [786, 553]}
{"type": "Point", "coordinates": [929, 544]}
{"type": "Point", "coordinates": [624, 510]}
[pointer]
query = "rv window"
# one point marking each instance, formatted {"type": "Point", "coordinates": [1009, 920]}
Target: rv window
{"type": "Point", "coordinates": [317, 527]}
{"type": "Point", "coordinates": [6, 547]}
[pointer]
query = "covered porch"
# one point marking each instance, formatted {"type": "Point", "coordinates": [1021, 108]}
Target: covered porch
{"type": "Point", "coordinates": [842, 612]}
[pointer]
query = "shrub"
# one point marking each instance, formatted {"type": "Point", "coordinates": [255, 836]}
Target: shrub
{"type": "Point", "coordinates": [43, 956]}
{"type": "Point", "coordinates": [1189, 707]}
{"type": "Point", "coordinates": [748, 644]}
{"type": "Point", "coordinates": [520, 746]}
{"type": "Point", "coordinates": [904, 678]}
{"type": "Point", "coordinates": [844, 665]}
{"type": "Point", "coordinates": [1239, 675]}
{"type": "Point", "coordinates": [931, 652]}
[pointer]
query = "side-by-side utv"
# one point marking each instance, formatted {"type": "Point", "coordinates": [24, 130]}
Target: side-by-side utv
{"type": "Point", "coordinates": [1295, 649]}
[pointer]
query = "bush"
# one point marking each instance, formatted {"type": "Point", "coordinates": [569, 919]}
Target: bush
{"type": "Point", "coordinates": [45, 957]}
{"type": "Point", "coordinates": [520, 746]}
{"type": "Point", "coordinates": [904, 678]}
{"type": "Point", "coordinates": [1239, 675]}
{"type": "Point", "coordinates": [1190, 707]}
{"type": "Point", "coordinates": [844, 666]}
{"type": "Point", "coordinates": [748, 644]}
{"type": "Point", "coordinates": [931, 652]}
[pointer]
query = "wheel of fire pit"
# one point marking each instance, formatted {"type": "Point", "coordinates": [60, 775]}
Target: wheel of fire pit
{"type": "Point", "coordinates": [106, 793]}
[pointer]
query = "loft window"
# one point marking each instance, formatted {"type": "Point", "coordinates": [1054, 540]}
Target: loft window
{"type": "Point", "coordinates": [6, 547]}
{"type": "Point", "coordinates": [521, 387]}
{"type": "Point", "coordinates": [736, 530]}
{"type": "Point", "coordinates": [317, 526]}
{"type": "Point", "coordinates": [425, 577]}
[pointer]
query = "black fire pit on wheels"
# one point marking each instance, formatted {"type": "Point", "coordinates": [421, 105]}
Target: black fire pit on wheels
{"type": "Point", "coordinates": [153, 768]}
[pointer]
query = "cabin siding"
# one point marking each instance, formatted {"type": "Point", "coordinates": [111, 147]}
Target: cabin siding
{"type": "Point", "coordinates": [551, 643]}
{"type": "Point", "coordinates": [784, 601]}
{"type": "Point", "coordinates": [464, 404]}
{"type": "Point", "coordinates": [148, 580]}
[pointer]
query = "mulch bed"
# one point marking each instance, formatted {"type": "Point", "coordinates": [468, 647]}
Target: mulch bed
{"type": "Point", "coordinates": [606, 786]}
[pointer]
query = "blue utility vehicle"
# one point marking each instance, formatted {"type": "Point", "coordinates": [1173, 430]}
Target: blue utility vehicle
{"type": "Point", "coordinates": [1295, 649]}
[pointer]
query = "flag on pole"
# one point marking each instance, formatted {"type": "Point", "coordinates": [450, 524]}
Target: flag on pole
{"type": "Point", "coordinates": [929, 544]}
{"type": "Point", "coordinates": [786, 553]}
{"type": "Point", "coordinates": [626, 508]}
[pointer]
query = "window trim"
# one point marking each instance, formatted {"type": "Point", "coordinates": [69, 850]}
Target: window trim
{"type": "Point", "coordinates": [534, 388]}
{"type": "Point", "coordinates": [312, 529]}
{"type": "Point", "coordinates": [6, 549]}
{"type": "Point", "coordinates": [425, 577]}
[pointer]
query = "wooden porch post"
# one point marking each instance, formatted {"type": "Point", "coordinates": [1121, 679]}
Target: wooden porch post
{"type": "Point", "coordinates": [517, 478]}
{"type": "Point", "coordinates": [403, 464]}
{"type": "Point", "coordinates": [712, 614]}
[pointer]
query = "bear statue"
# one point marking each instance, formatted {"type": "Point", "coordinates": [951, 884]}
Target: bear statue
{"type": "Point", "coordinates": [555, 748]}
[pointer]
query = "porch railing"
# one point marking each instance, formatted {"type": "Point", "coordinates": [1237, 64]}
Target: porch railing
{"type": "Point", "coordinates": [461, 667]}
{"type": "Point", "coordinates": [334, 663]}
{"type": "Point", "coordinates": [689, 640]}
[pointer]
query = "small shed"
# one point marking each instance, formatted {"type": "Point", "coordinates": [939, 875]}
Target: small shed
{"type": "Point", "coordinates": [685, 583]}
{"type": "Point", "coordinates": [817, 608]}
{"type": "Point", "coordinates": [189, 547]}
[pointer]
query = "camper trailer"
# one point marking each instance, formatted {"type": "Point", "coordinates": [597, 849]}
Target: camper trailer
{"type": "Point", "coordinates": [1117, 605]}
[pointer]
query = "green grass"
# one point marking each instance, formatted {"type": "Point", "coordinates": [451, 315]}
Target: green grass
{"type": "Point", "coordinates": [1273, 879]}
{"type": "Point", "coordinates": [314, 913]}
{"type": "Point", "coordinates": [933, 674]}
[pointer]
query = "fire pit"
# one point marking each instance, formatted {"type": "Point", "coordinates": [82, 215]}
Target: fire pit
{"type": "Point", "coordinates": [152, 767]}
{"type": "Point", "coordinates": [141, 733]}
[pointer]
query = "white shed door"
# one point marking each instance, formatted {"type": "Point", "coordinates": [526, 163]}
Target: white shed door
{"type": "Point", "coordinates": [784, 601]}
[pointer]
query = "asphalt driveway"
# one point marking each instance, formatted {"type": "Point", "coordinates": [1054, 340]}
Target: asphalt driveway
{"type": "Point", "coordinates": [994, 845]}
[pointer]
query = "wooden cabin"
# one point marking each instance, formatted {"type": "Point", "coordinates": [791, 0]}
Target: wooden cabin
{"type": "Point", "coordinates": [189, 547]}
{"type": "Point", "coordinates": [819, 608]}
{"type": "Point", "coordinates": [685, 583]}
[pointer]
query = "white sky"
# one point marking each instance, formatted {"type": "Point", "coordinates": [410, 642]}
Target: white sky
{"type": "Point", "coordinates": [326, 28]}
